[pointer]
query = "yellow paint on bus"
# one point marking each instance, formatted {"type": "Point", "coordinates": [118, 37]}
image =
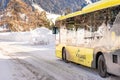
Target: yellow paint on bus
{"type": "Point", "coordinates": [83, 56]}
{"type": "Point", "coordinates": [59, 50]}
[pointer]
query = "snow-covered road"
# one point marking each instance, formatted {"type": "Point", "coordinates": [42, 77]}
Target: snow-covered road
{"type": "Point", "coordinates": [19, 61]}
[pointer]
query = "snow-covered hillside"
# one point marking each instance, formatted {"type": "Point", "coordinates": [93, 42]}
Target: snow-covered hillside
{"type": "Point", "coordinates": [50, 16]}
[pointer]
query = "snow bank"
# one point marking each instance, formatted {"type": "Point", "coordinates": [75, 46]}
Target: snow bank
{"type": "Point", "coordinates": [39, 36]}
{"type": "Point", "coordinates": [42, 36]}
{"type": "Point", "coordinates": [15, 36]}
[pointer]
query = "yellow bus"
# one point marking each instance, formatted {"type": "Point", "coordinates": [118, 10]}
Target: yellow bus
{"type": "Point", "coordinates": [90, 37]}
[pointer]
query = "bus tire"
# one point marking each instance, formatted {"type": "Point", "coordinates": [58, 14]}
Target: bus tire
{"type": "Point", "coordinates": [102, 68]}
{"type": "Point", "coordinates": [64, 55]}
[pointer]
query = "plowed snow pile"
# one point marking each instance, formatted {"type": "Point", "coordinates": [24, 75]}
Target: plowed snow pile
{"type": "Point", "coordinates": [39, 36]}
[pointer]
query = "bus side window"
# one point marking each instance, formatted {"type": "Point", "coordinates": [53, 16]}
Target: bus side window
{"type": "Point", "coordinates": [55, 30]}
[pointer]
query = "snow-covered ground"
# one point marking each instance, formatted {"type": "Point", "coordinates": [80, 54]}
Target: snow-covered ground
{"type": "Point", "coordinates": [11, 67]}
{"type": "Point", "coordinates": [25, 62]}
{"type": "Point", "coordinates": [21, 60]}
{"type": "Point", "coordinates": [5, 68]}
{"type": "Point", "coordinates": [15, 63]}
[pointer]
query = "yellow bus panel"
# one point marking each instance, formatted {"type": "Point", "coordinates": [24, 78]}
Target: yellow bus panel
{"type": "Point", "coordinates": [83, 56]}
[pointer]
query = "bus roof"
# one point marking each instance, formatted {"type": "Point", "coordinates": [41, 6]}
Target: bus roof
{"type": "Point", "coordinates": [92, 7]}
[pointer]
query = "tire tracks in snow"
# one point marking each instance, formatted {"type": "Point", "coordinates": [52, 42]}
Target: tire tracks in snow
{"type": "Point", "coordinates": [44, 69]}
{"type": "Point", "coordinates": [37, 74]}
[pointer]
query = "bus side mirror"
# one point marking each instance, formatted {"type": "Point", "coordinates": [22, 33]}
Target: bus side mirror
{"type": "Point", "coordinates": [55, 30]}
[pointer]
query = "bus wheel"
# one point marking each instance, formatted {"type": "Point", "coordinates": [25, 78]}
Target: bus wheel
{"type": "Point", "coordinates": [102, 69]}
{"type": "Point", "coordinates": [64, 56]}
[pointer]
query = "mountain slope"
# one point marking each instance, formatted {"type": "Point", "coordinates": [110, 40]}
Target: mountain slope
{"type": "Point", "coordinates": [19, 16]}
{"type": "Point", "coordinates": [54, 6]}
{"type": "Point", "coordinates": [58, 6]}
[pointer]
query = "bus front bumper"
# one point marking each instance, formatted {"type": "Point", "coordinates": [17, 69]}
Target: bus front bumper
{"type": "Point", "coordinates": [113, 62]}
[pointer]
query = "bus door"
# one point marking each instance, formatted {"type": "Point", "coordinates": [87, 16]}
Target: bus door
{"type": "Point", "coordinates": [88, 56]}
{"type": "Point", "coordinates": [85, 56]}
{"type": "Point", "coordinates": [72, 50]}
{"type": "Point", "coordinates": [80, 55]}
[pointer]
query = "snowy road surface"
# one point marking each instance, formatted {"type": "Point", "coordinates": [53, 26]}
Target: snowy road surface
{"type": "Point", "coordinates": [26, 62]}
